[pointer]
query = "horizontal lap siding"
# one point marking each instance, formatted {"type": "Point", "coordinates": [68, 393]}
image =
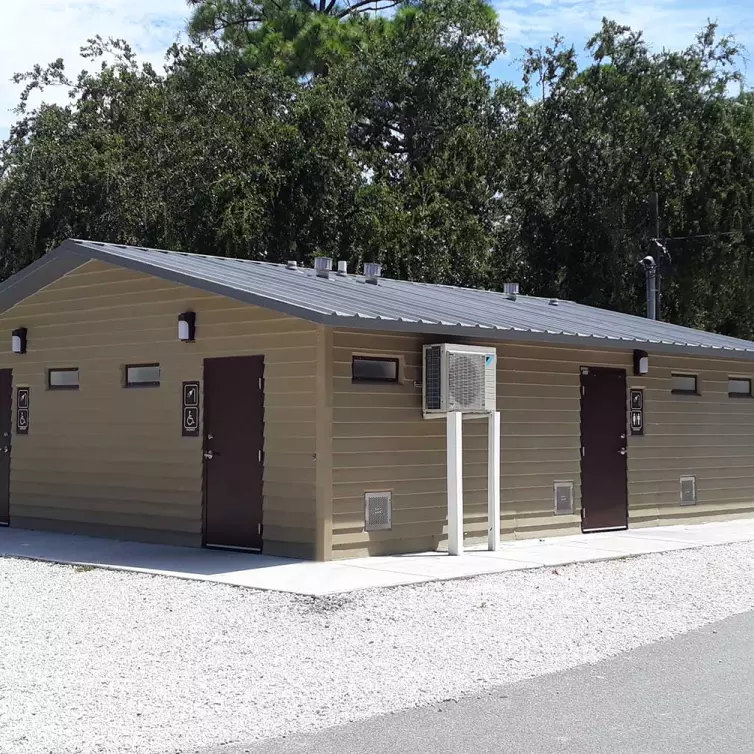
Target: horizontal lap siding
{"type": "Point", "coordinates": [709, 436]}
{"type": "Point", "coordinates": [115, 457]}
{"type": "Point", "coordinates": [381, 442]}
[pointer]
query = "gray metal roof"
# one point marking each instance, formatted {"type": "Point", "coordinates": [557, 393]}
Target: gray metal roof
{"type": "Point", "coordinates": [393, 305]}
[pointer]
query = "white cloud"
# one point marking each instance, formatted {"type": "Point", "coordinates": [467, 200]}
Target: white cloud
{"type": "Point", "coordinates": [40, 31]}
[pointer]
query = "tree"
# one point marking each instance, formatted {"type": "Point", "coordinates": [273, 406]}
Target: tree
{"type": "Point", "coordinates": [593, 144]}
{"type": "Point", "coordinates": [425, 133]}
{"type": "Point", "coordinates": [221, 157]}
{"type": "Point", "coordinates": [208, 157]}
{"type": "Point", "coordinates": [406, 152]}
{"type": "Point", "coordinates": [303, 37]}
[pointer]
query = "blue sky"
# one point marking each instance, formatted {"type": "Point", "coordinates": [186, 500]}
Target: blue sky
{"type": "Point", "coordinates": [60, 27]}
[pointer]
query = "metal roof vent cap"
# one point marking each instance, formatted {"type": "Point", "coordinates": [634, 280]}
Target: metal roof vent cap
{"type": "Point", "coordinates": [292, 264]}
{"type": "Point", "coordinates": [553, 302]}
{"type": "Point", "coordinates": [323, 266]}
{"type": "Point", "coordinates": [510, 290]}
{"type": "Point", "coordinates": [372, 272]}
{"type": "Point", "coordinates": [342, 268]}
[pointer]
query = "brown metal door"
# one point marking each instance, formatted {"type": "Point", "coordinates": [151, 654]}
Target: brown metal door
{"type": "Point", "coordinates": [604, 498]}
{"type": "Point", "coordinates": [6, 393]}
{"type": "Point", "coordinates": [233, 446]}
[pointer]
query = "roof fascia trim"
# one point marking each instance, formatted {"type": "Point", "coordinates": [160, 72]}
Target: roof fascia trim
{"type": "Point", "coordinates": [38, 275]}
{"type": "Point", "coordinates": [525, 336]}
{"type": "Point", "coordinates": [201, 284]}
{"type": "Point", "coordinates": [72, 254]}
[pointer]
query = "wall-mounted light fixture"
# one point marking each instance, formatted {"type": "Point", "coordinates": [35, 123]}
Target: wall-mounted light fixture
{"type": "Point", "coordinates": [187, 326]}
{"type": "Point", "coordinates": [641, 363]}
{"type": "Point", "coordinates": [18, 340]}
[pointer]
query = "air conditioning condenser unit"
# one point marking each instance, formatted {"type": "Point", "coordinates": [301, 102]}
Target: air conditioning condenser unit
{"type": "Point", "coordinates": [459, 378]}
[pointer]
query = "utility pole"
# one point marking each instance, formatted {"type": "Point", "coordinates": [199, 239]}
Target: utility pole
{"type": "Point", "coordinates": [654, 211]}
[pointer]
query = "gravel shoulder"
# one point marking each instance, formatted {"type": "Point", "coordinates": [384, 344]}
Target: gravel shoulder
{"type": "Point", "coordinates": [100, 661]}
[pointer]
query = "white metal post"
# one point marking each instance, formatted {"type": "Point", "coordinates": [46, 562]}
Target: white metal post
{"type": "Point", "coordinates": [493, 481]}
{"type": "Point", "coordinates": [455, 483]}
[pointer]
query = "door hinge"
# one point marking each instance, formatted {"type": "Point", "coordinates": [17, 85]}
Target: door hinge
{"type": "Point", "coordinates": [583, 451]}
{"type": "Point", "coordinates": [259, 530]}
{"type": "Point", "coordinates": [260, 456]}
{"type": "Point", "coordinates": [583, 390]}
{"type": "Point", "coordinates": [260, 383]}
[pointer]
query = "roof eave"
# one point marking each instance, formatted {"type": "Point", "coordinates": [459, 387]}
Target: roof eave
{"type": "Point", "coordinates": [586, 342]}
{"type": "Point", "coordinates": [72, 253]}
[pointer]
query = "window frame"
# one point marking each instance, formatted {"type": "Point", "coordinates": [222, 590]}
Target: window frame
{"type": "Point", "coordinates": [50, 386]}
{"type": "Point", "coordinates": [680, 391]}
{"type": "Point", "coordinates": [737, 394]}
{"type": "Point", "coordinates": [127, 383]}
{"type": "Point", "coordinates": [376, 380]}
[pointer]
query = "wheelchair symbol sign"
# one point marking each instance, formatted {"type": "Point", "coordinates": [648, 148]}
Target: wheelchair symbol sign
{"type": "Point", "coordinates": [191, 419]}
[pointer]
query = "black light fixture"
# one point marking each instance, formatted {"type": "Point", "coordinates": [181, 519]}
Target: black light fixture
{"type": "Point", "coordinates": [18, 340]}
{"type": "Point", "coordinates": [641, 363]}
{"type": "Point", "coordinates": [187, 326]}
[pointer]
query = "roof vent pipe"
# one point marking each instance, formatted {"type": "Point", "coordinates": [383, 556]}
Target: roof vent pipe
{"type": "Point", "coordinates": [510, 290]}
{"type": "Point", "coordinates": [323, 266]}
{"type": "Point", "coordinates": [372, 272]}
{"type": "Point", "coordinates": [650, 271]}
{"type": "Point", "coordinates": [292, 264]}
{"type": "Point", "coordinates": [342, 268]}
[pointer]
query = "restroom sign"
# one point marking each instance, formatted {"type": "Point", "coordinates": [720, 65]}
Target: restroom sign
{"type": "Point", "coordinates": [22, 411]}
{"type": "Point", "coordinates": [190, 409]}
{"type": "Point", "coordinates": [637, 412]}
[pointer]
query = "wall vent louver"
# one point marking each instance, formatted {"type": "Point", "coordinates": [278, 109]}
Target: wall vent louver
{"type": "Point", "coordinates": [688, 490]}
{"type": "Point", "coordinates": [378, 511]}
{"type": "Point", "coordinates": [563, 494]}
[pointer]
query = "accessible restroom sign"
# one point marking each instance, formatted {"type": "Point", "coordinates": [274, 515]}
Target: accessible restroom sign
{"type": "Point", "coordinates": [190, 410]}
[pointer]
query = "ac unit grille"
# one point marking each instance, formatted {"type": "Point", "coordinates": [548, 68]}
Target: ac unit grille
{"type": "Point", "coordinates": [378, 511]}
{"type": "Point", "coordinates": [563, 497]}
{"type": "Point", "coordinates": [433, 378]}
{"type": "Point", "coordinates": [688, 490]}
{"type": "Point", "coordinates": [466, 380]}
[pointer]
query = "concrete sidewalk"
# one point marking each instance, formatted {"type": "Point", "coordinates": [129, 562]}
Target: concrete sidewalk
{"type": "Point", "coordinates": [317, 579]}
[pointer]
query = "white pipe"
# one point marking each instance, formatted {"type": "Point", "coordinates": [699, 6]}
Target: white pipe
{"type": "Point", "coordinates": [493, 481]}
{"type": "Point", "coordinates": [455, 483]}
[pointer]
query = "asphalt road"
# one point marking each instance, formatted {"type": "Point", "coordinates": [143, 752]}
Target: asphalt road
{"type": "Point", "coordinates": [691, 694]}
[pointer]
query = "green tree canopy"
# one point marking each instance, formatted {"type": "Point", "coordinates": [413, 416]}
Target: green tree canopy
{"type": "Point", "coordinates": [407, 153]}
{"type": "Point", "coordinates": [300, 36]}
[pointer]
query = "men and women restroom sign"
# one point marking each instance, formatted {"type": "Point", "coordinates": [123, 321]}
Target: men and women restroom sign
{"type": "Point", "coordinates": [637, 411]}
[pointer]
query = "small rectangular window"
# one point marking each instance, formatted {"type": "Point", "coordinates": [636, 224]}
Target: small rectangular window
{"type": "Point", "coordinates": [142, 375]}
{"type": "Point", "coordinates": [739, 387]}
{"type": "Point", "coordinates": [66, 378]}
{"type": "Point", "coordinates": [685, 384]}
{"type": "Point", "coordinates": [374, 369]}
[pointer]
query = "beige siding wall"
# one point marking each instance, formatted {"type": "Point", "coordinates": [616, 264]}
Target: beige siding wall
{"type": "Point", "coordinates": [381, 442]}
{"type": "Point", "coordinates": [114, 458]}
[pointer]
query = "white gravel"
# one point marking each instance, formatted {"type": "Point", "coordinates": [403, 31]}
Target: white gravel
{"type": "Point", "coordinates": [98, 661]}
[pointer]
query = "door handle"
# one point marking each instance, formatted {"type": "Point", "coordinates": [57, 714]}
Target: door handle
{"type": "Point", "coordinates": [623, 451]}
{"type": "Point", "coordinates": [6, 449]}
{"type": "Point", "coordinates": [209, 455]}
